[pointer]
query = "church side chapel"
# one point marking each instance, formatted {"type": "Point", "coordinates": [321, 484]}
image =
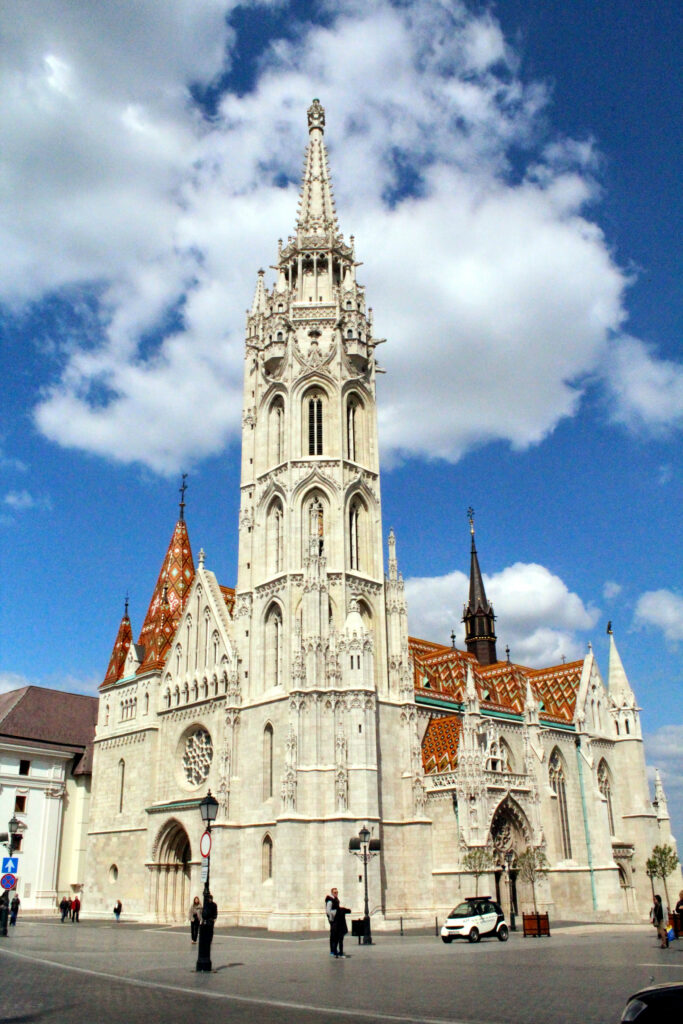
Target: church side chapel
{"type": "Point", "coordinates": [299, 699]}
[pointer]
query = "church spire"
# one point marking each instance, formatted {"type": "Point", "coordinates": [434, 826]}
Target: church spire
{"type": "Point", "coordinates": [317, 215]}
{"type": "Point", "coordinates": [169, 597]}
{"type": "Point", "coordinates": [124, 639]}
{"type": "Point", "coordinates": [480, 633]}
{"type": "Point", "coordinates": [617, 681]}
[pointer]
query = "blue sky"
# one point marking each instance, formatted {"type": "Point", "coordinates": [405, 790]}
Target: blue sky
{"type": "Point", "coordinates": [510, 173]}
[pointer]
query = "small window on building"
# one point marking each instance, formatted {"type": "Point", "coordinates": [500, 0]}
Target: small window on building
{"type": "Point", "coordinates": [24, 767]}
{"type": "Point", "coordinates": [20, 804]}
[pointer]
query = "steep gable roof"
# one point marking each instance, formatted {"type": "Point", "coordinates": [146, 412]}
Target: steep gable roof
{"type": "Point", "coordinates": [124, 639]}
{"type": "Point", "coordinates": [168, 600]}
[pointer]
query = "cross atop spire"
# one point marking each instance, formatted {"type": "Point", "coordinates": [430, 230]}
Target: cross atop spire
{"type": "Point", "coordinates": [182, 489]}
{"type": "Point", "coordinates": [317, 215]}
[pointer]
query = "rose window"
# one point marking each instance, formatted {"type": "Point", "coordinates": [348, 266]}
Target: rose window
{"type": "Point", "coordinates": [197, 757]}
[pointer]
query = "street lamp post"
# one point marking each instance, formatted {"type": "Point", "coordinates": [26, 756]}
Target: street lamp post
{"type": "Point", "coordinates": [8, 842]}
{"type": "Point", "coordinates": [209, 809]}
{"type": "Point", "coordinates": [509, 862]}
{"type": "Point", "coordinates": [363, 847]}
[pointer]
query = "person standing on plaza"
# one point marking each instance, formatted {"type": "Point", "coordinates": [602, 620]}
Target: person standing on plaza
{"type": "Point", "coordinates": [195, 917]}
{"type": "Point", "coordinates": [659, 923]}
{"type": "Point", "coordinates": [209, 915]}
{"type": "Point", "coordinates": [76, 910]}
{"type": "Point", "coordinates": [118, 907]}
{"type": "Point", "coordinates": [64, 908]}
{"type": "Point", "coordinates": [336, 915]}
{"type": "Point", "coordinates": [14, 909]}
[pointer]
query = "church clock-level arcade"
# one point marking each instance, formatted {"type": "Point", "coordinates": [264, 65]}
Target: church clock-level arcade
{"type": "Point", "coordinates": [299, 699]}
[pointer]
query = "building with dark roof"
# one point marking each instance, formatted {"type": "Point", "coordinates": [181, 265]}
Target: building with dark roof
{"type": "Point", "coordinates": [46, 744]}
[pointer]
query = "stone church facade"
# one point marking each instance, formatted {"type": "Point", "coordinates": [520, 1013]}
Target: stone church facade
{"type": "Point", "coordinates": [300, 700]}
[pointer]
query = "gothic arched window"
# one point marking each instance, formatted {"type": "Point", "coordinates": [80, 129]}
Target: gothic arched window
{"type": "Point", "coordinates": [276, 431]}
{"type": "Point", "coordinates": [351, 429]}
{"type": "Point", "coordinates": [267, 859]}
{"type": "Point", "coordinates": [268, 762]}
{"type": "Point", "coordinates": [122, 781]}
{"type": "Point", "coordinates": [557, 779]}
{"type": "Point", "coordinates": [273, 646]}
{"type": "Point", "coordinates": [315, 424]}
{"type": "Point", "coordinates": [605, 788]}
{"type": "Point", "coordinates": [316, 527]}
{"type": "Point", "coordinates": [274, 536]}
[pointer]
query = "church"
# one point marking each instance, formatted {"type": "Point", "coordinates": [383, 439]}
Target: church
{"type": "Point", "coordinates": [300, 700]}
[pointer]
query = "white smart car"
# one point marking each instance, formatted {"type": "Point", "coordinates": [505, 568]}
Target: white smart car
{"type": "Point", "coordinates": [477, 916]}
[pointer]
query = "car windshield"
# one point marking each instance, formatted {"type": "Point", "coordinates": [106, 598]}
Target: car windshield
{"type": "Point", "coordinates": [463, 910]}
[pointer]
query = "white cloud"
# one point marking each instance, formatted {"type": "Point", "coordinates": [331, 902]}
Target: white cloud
{"type": "Point", "coordinates": [21, 501]}
{"type": "Point", "coordinates": [13, 681]}
{"type": "Point", "coordinates": [611, 590]}
{"type": "Point", "coordinates": [171, 214]}
{"type": "Point", "coordinates": [661, 610]}
{"type": "Point", "coordinates": [646, 391]}
{"type": "Point", "coordinates": [537, 615]}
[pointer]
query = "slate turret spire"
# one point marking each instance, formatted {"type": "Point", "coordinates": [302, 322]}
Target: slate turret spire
{"type": "Point", "coordinates": [480, 633]}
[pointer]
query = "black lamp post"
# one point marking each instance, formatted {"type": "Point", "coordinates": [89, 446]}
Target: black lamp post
{"type": "Point", "coordinates": [209, 809]}
{"type": "Point", "coordinates": [363, 847]}
{"type": "Point", "coordinates": [509, 863]}
{"type": "Point", "coordinates": [8, 840]}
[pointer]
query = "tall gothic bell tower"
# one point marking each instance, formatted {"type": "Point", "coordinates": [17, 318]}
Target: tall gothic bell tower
{"type": "Point", "coordinates": [326, 685]}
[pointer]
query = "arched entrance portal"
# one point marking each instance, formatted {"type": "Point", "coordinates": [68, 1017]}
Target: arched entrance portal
{"type": "Point", "coordinates": [170, 889]}
{"type": "Point", "coordinates": [509, 836]}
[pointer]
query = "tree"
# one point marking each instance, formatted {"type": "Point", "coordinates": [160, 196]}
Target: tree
{"type": "Point", "coordinates": [532, 865]}
{"type": "Point", "coordinates": [478, 862]}
{"type": "Point", "coordinates": [663, 863]}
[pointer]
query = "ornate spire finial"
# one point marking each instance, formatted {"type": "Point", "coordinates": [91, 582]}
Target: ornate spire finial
{"type": "Point", "coordinates": [125, 607]}
{"type": "Point", "coordinates": [507, 653]}
{"type": "Point", "coordinates": [609, 628]}
{"type": "Point", "coordinates": [453, 638]}
{"type": "Point", "coordinates": [316, 116]}
{"type": "Point", "coordinates": [470, 516]}
{"type": "Point", "coordinates": [182, 489]}
{"type": "Point", "coordinates": [202, 556]}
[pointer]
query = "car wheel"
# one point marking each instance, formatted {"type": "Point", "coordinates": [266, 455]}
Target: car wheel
{"type": "Point", "coordinates": [474, 935]}
{"type": "Point", "coordinates": [446, 938]}
{"type": "Point", "coordinates": [503, 933]}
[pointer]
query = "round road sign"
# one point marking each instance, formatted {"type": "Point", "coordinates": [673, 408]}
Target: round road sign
{"type": "Point", "coordinates": [205, 844]}
{"type": "Point", "coordinates": [8, 881]}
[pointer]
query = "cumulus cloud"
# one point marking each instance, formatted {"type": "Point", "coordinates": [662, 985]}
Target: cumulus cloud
{"type": "Point", "coordinates": [21, 501]}
{"type": "Point", "coordinates": [163, 216]}
{"type": "Point", "coordinates": [12, 681]}
{"type": "Point", "coordinates": [538, 616]}
{"type": "Point", "coordinates": [611, 590]}
{"type": "Point", "coordinates": [647, 392]}
{"type": "Point", "coordinates": [661, 610]}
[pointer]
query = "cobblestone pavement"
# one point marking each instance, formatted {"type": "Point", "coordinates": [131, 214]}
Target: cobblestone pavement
{"type": "Point", "coordinates": [98, 971]}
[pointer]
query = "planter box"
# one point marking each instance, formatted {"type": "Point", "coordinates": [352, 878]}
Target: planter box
{"type": "Point", "coordinates": [536, 925]}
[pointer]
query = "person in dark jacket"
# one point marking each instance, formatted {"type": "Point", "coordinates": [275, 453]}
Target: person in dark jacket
{"type": "Point", "coordinates": [336, 915]}
{"type": "Point", "coordinates": [64, 908]}
{"type": "Point", "coordinates": [659, 922]}
{"type": "Point", "coordinates": [14, 909]}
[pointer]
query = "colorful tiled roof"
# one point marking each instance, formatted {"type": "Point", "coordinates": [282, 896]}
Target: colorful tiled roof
{"type": "Point", "coordinates": [124, 639]}
{"type": "Point", "coordinates": [168, 600]}
{"type": "Point", "coordinates": [440, 744]}
{"type": "Point", "coordinates": [228, 596]}
{"type": "Point", "coordinates": [502, 686]}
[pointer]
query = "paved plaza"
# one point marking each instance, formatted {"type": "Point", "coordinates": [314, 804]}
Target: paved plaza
{"type": "Point", "coordinates": [98, 971]}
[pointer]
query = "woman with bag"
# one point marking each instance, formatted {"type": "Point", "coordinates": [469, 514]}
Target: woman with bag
{"type": "Point", "coordinates": [658, 922]}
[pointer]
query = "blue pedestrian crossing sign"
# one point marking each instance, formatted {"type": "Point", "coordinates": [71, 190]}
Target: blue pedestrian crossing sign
{"type": "Point", "coordinates": [10, 865]}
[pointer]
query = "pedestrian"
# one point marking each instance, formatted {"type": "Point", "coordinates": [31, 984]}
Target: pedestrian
{"type": "Point", "coordinates": [69, 905]}
{"type": "Point", "coordinates": [64, 908]}
{"type": "Point", "coordinates": [195, 916]}
{"type": "Point", "coordinates": [75, 910]}
{"type": "Point", "coordinates": [14, 909]}
{"type": "Point", "coordinates": [118, 907]}
{"type": "Point", "coordinates": [336, 915]}
{"type": "Point", "coordinates": [209, 915]}
{"type": "Point", "coordinates": [660, 924]}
